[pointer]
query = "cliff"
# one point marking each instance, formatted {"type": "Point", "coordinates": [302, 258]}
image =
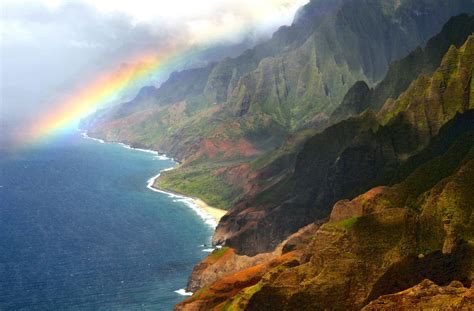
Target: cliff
{"type": "Point", "coordinates": [401, 73]}
{"type": "Point", "coordinates": [425, 296]}
{"type": "Point", "coordinates": [384, 241]}
{"type": "Point", "coordinates": [253, 101]}
{"type": "Point", "coordinates": [346, 178]}
{"type": "Point", "coordinates": [350, 157]}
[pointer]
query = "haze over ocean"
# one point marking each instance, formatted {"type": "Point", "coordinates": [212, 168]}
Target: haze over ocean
{"type": "Point", "coordinates": [80, 230]}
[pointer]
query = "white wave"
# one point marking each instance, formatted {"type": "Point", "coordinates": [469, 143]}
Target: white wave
{"type": "Point", "coordinates": [208, 250]}
{"type": "Point", "coordinates": [84, 135]}
{"type": "Point", "coordinates": [158, 156]}
{"type": "Point", "coordinates": [183, 292]}
{"type": "Point", "coordinates": [156, 153]}
{"type": "Point", "coordinates": [189, 202]}
{"type": "Point", "coordinates": [147, 151]}
{"type": "Point", "coordinates": [162, 157]}
{"type": "Point", "coordinates": [125, 145]}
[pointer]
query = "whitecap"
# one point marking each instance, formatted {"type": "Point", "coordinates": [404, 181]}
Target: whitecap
{"type": "Point", "coordinates": [183, 292]}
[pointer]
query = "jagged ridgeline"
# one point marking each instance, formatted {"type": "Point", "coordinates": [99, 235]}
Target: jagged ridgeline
{"type": "Point", "coordinates": [342, 148]}
{"type": "Point", "coordinates": [350, 157]}
{"type": "Point", "coordinates": [217, 136]}
{"type": "Point", "coordinates": [293, 80]}
{"type": "Point", "coordinates": [402, 72]}
{"type": "Point", "coordinates": [416, 224]}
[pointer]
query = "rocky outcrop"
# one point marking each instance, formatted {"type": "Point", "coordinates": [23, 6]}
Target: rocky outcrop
{"type": "Point", "coordinates": [427, 296]}
{"type": "Point", "coordinates": [362, 205]}
{"type": "Point", "coordinates": [397, 241]}
{"type": "Point", "coordinates": [224, 274]}
{"type": "Point", "coordinates": [225, 261]}
{"type": "Point", "coordinates": [221, 263]}
{"type": "Point", "coordinates": [367, 152]}
{"type": "Point", "coordinates": [215, 295]}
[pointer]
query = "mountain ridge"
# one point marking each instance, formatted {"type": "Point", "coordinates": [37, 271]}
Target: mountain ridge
{"type": "Point", "coordinates": [316, 170]}
{"type": "Point", "coordinates": [387, 239]}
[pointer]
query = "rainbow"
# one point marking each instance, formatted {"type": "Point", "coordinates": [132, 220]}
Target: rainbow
{"type": "Point", "coordinates": [66, 114]}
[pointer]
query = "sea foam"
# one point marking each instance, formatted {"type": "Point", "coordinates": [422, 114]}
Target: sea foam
{"type": "Point", "coordinates": [183, 292]}
{"type": "Point", "coordinates": [84, 135]}
{"type": "Point", "coordinates": [189, 202]}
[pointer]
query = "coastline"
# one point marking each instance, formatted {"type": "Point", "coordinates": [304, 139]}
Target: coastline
{"type": "Point", "coordinates": [217, 213]}
{"type": "Point", "coordinates": [210, 215]}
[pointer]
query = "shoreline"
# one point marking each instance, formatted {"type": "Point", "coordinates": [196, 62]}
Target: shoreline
{"type": "Point", "coordinates": [209, 214]}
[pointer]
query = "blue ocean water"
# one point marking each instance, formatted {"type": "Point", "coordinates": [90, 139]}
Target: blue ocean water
{"type": "Point", "coordinates": [79, 230]}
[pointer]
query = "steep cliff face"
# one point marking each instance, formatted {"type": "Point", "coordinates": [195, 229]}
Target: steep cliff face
{"type": "Point", "coordinates": [427, 296]}
{"type": "Point", "coordinates": [392, 245]}
{"type": "Point", "coordinates": [303, 71]}
{"type": "Point", "coordinates": [382, 242]}
{"type": "Point", "coordinates": [357, 41]}
{"type": "Point", "coordinates": [366, 152]}
{"type": "Point", "coordinates": [250, 103]}
{"type": "Point", "coordinates": [401, 73]}
{"type": "Point", "coordinates": [263, 130]}
{"type": "Point", "coordinates": [253, 135]}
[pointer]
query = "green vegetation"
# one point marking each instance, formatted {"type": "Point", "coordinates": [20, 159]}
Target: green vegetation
{"type": "Point", "coordinates": [237, 302]}
{"type": "Point", "coordinates": [240, 128]}
{"type": "Point", "coordinates": [347, 223]}
{"type": "Point", "coordinates": [403, 72]}
{"type": "Point", "coordinates": [218, 253]}
{"type": "Point", "coordinates": [202, 183]}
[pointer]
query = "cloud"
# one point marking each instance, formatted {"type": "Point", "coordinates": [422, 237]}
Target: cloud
{"type": "Point", "coordinates": [49, 46]}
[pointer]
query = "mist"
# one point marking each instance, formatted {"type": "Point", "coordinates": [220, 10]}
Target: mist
{"type": "Point", "coordinates": [50, 48]}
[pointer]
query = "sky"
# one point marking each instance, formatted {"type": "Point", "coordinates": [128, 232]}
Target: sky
{"type": "Point", "coordinates": [52, 47]}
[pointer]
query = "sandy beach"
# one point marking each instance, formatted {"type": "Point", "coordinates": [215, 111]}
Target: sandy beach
{"type": "Point", "coordinates": [210, 215]}
{"type": "Point", "coordinates": [217, 213]}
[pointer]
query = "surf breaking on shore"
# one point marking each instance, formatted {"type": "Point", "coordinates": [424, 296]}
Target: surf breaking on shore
{"type": "Point", "coordinates": [210, 215]}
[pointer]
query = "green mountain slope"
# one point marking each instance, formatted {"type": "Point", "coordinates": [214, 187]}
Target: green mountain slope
{"type": "Point", "coordinates": [290, 81]}
{"type": "Point", "coordinates": [385, 240]}
{"type": "Point", "coordinates": [260, 130]}
{"type": "Point", "coordinates": [401, 73]}
{"type": "Point", "coordinates": [391, 246]}
{"type": "Point", "coordinates": [367, 151]}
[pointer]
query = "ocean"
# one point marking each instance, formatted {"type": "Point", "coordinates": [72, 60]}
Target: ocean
{"type": "Point", "coordinates": [80, 230]}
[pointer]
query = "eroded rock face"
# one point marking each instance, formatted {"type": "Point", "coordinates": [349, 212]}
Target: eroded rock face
{"type": "Point", "coordinates": [382, 242]}
{"type": "Point", "coordinates": [216, 295]}
{"type": "Point", "coordinates": [223, 274]}
{"type": "Point", "coordinates": [360, 206]}
{"type": "Point", "coordinates": [368, 149]}
{"type": "Point", "coordinates": [221, 263]}
{"type": "Point", "coordinates": [427, 296]}
{"type": "Point", "coordinates": [226, 261]}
